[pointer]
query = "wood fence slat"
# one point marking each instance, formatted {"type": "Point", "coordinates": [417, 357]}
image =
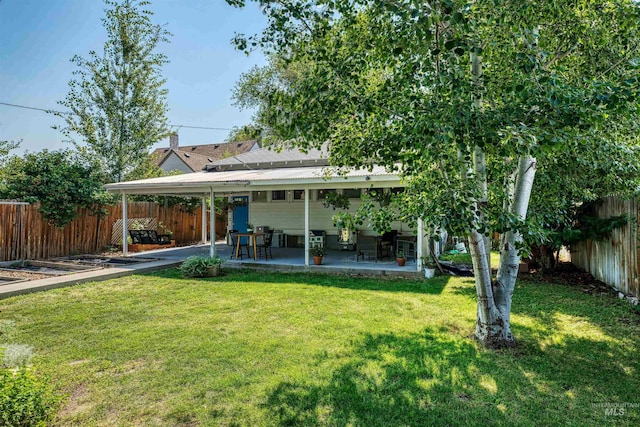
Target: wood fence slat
{"type": "Point", "coordinates": [615, 261]}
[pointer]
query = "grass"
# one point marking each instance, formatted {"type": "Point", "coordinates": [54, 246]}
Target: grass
{"type": "Point", "coordinates": [263, 349]}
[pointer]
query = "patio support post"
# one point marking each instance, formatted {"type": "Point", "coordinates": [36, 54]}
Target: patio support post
{"type": "Point", "coordinates": [306, 227]}
{"type": "Point", "coordinates": [204, 219]}
{"type": "Point", "coordinates": [212, 224]}
{"type": "Point", "coordinates": [419, 245]}
{"type": "Point", "coordinates": [125, 226]}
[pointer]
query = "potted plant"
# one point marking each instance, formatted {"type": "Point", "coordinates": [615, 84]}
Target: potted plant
{"type": "Point", "coordinates": [347, 229]}
{"type": "Point", "coordinates": [401, 258]}
{"type": "Point", "coordinates": [201, 266]}
{"type": "Point", "coordinates": [429, 267]}
{"type": "Point", "coordinates": [317, 252]}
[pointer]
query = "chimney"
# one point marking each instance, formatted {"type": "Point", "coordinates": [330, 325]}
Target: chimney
{"type": "Point", "coordinates": [173, 141]}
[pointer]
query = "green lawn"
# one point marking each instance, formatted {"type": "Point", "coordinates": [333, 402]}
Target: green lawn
{"type": "Point", "coordinates": [254, 349]}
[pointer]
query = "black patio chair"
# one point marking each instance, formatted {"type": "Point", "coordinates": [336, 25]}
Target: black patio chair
{"type": "Point", "coordinates": [386, 244]}
{"type": "Point", "coordinates": [233, 234]}
{"type": "Point", "coordinates": [265, 246]}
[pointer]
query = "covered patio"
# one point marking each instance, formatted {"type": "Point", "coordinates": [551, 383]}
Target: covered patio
{"type": "Point", "coordinates": [285, 191]}
{"type": "Point", "coordinates": [292, 259]}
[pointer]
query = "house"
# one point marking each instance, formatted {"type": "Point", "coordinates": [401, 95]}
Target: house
{"type": "Point", "coordinates": [284, 190]}
{"type": "Point", "coordinates": [192, 158]}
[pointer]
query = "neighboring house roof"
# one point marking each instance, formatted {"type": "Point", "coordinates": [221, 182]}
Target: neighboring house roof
{"type": "Point", "coordinates": [197, 156]}
{"type": "Point", "coordinates": [268, 158]}
{"type": "Point", "coordinates": [195, 162]}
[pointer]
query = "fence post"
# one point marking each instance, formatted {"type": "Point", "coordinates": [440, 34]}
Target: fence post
{"type": "Point", "coordinates": [204, 219]}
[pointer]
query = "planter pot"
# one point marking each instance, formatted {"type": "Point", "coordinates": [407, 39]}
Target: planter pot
{"type": "Point", "coordinates": [317, 260]}
{"type": "Point", "coordinates": [523, 267]}
{"type": "Point", "coordinates": [429, 273]}
{"type": "Point", "coordinates": [213, 271]}
{"type": "Point", "coordinates": [401, 261]}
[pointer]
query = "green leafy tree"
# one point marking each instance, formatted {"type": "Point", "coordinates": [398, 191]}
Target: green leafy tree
{"type": "Point", "coordinates": [146, 168]}
{"type": "Point", "coordinates": [245, 133]}
{"type": "Point", "coordinates": [5, 149]}
{"type": "Point", "coordinates": [60, 180]}
{"type": "Point", "coordinates": [117, 101]}
{"type": "Point", "coordinates": [467, 101]}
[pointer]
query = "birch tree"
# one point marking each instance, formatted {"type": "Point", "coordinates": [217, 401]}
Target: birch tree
{"type": "Point", "coordinates": [117, 102]}
{"type": "Point", "coordinates": [467, 100]}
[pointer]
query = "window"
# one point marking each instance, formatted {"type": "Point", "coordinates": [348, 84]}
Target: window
{"type": "Point", "coordinates": [352, 193]}
{"type": "Point", "coordinates": [278, 195]}
{"type": "Point", "coordinates": [298, 194]}
{"type": "Point", "coordinates": [259, 196]}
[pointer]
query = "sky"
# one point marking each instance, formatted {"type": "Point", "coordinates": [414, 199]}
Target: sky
{"type": "Point", "coordinates": [39, 37]}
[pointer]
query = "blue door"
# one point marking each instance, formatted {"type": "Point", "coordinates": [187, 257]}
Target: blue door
{"type": "Point", "coordinates": [241, 215]}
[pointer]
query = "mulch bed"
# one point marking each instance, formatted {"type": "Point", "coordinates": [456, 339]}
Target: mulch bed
{"type": "Point", "coordinates": [568, 274]}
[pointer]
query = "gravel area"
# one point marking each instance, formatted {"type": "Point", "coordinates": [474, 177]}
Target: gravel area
{"type": "Point", "coordinates": [23, 274]}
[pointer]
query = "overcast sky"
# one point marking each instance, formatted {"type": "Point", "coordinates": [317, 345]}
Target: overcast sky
{"type": "Point", "coordinates": [39, 37]}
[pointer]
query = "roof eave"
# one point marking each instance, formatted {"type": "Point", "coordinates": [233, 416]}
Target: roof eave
{"type": "Point", "coordinates": [231, 186]}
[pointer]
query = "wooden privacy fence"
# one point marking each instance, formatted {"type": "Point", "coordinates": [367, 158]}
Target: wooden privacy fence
{"type": "Point", "coordinates": [24, 234]}
{"type": "Point", "coordinates": [615, 261]}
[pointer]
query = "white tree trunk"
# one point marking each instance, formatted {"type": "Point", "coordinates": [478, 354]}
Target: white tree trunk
{"type": "Point", "coordinates": [493, 326]}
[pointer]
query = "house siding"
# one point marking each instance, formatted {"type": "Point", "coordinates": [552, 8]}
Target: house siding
{"type": "Point", "coordinates": [173, 162]}
{"type": "Point", "coordinates": [288, 216]}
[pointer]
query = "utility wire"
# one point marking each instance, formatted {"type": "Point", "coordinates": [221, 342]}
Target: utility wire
{"type": "Point", "coordinates": [67, 113]}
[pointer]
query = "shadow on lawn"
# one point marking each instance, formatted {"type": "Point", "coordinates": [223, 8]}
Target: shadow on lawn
{"type": "Point", "coordinates": [386, 284]}
{"type": "Point", "coordinates": [391, 380]}
{"type": "Point", "coordinates": [439, 378]}
{"type": "Point", "coordinates": [548, 303]}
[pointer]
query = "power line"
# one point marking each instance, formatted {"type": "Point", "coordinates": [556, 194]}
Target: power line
{"type": "Point", "coordinates": [32, 108]}
{"type": "Point", "coordinates": [63, 112]}
{"type": "Point", "coordinates": [198, 127]}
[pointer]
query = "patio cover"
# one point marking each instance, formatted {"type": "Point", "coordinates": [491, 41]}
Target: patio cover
{"type": "Point", "coordinates": [291, 178]}
{"type": "Point", "coordinates": [208, 183]}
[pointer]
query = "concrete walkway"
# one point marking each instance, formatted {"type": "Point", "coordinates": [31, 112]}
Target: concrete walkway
{"type": "Point", "coordinates": [24, 287]}
{"type": "Point", "coordinates": [284, 259]}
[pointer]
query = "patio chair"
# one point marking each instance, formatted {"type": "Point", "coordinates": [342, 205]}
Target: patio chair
{"type": "Point", "coordinates": [265, 246]}
{"type": "Point", "coordinates": [233, 234]}
{"type": "Point", "coordinates": [386, 244]}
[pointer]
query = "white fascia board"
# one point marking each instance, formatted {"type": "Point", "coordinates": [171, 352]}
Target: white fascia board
{"type": "Point", "coordinates": [234, 187]}
{"type": "Point", "coordinates": [180, 184]}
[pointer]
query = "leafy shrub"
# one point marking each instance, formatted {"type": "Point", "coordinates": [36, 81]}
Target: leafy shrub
{"type": "Point", "coordinates": [25, 400]}
{"type": "Point", "coordinates": [198, 265]}
{"type": "Point", "coordinates": [17, 355]}
{"type": "Point", "coordinates": [457, 258]}
{"type": "Point", "coordinates": [60, 180]}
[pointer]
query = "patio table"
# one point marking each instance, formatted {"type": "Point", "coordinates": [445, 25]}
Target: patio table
{"type": "Point", "coordinates": [252, 237]}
